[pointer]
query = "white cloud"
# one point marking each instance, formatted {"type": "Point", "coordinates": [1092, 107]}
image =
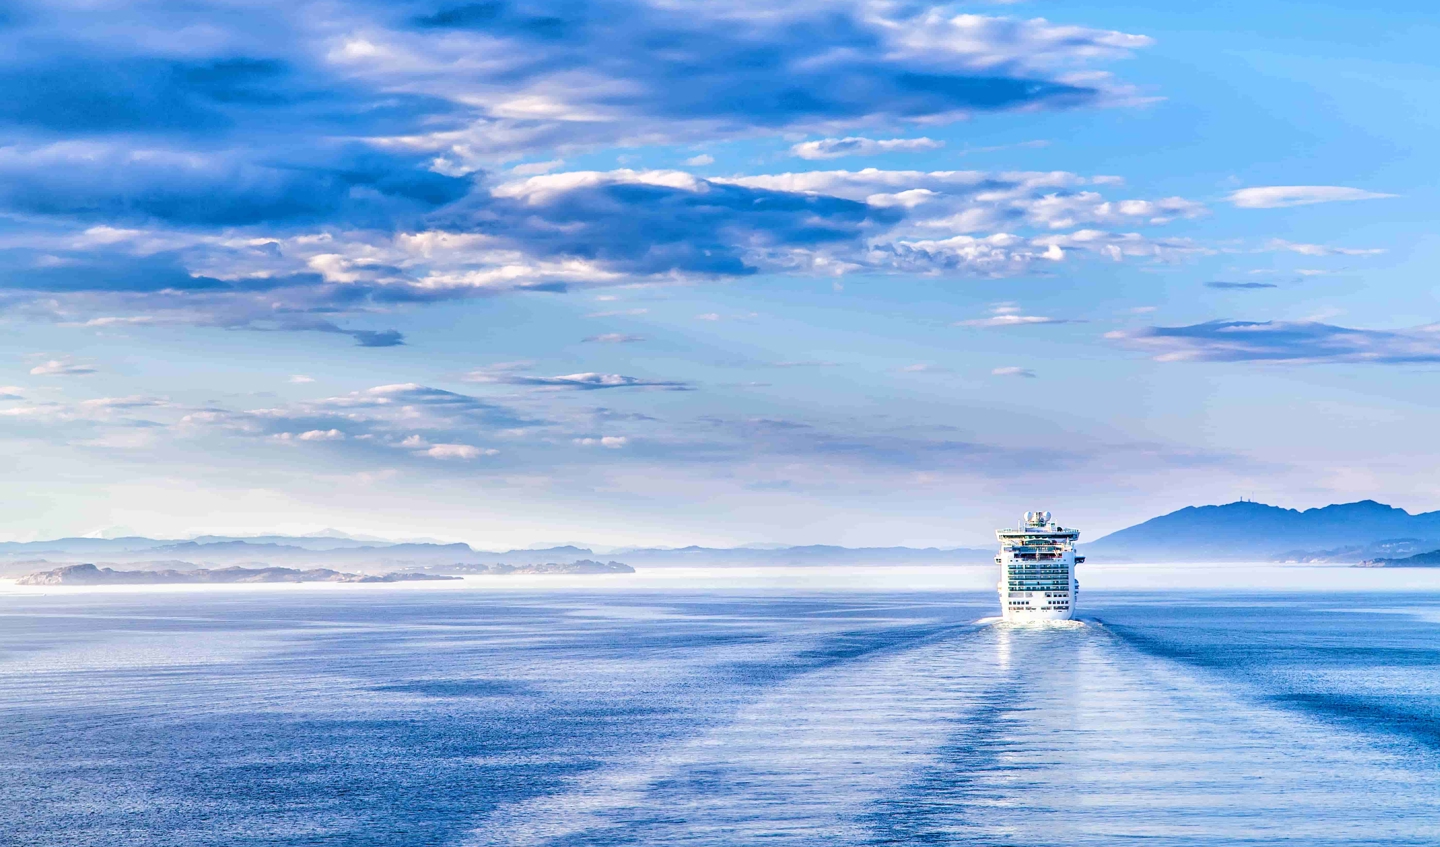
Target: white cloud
{"type": "Point", "coordinates": [134, 401]}
{"type": "Point", "coordinates": [613, 442]}
{"type": "Point", "coordinates": [312, 435]}
{"type": "Point", "coordinates": [322, 435]}
{"type": "Point", "coordinates": [834, 148]}
{"type": "Point", "coordinates": [1009, 314]}
{"type": "Point", "coordinates": [300, 379]}
{"type": "Point", "coordinates": [458, 451]}
{"type": "Point", "coordinates": [1014, 371]}
{"type": "Point", "coordinates": [1282, 196]}
{"type": "Point", "coordinates": [700, 161]}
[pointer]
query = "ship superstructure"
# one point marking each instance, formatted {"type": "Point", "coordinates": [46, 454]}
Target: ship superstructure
{"type": "Point", "coordinates": [1037, 570]}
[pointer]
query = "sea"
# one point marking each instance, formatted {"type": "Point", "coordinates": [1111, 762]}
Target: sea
{"type": "Point", "coordinates": [1197, 706]}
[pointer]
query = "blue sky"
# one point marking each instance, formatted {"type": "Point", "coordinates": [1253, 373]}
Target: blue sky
{"type": "Point", "coordinates": [668, 273]}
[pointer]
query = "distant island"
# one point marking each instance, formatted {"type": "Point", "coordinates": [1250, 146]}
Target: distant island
{"type": "Point", "coordinates": [369, 556]}
{"type": "Point", "coordinates": [583, 566]}
{"type": "Point", "coordinates": [91, 574]}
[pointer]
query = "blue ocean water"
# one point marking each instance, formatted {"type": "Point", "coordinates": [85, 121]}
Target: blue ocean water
{"type": "Point", "coordinates": [476, 718]}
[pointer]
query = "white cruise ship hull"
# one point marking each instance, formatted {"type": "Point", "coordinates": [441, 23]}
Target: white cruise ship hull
{"type": "Point", "coordinates": [1028, 615]}
{"type": "Point", "coordinates": [1037, 570]}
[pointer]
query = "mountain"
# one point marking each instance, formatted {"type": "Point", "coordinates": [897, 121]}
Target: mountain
{"type": "Point", "coordinates": [1254, 531]}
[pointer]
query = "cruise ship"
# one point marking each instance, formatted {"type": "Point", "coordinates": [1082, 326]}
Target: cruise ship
{"type": "Point", "coordinates": [1037, 570]}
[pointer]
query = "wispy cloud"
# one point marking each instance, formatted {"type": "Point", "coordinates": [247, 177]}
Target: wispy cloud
{"type": "Point", "coordinates": [63, 367]}
{"type": "Point", "coordinates": [132, 402]}
{"type": "Point", "coordinates": [1296, 342]}
{"type": "Point", "coordinates": [409, 430]}
{"type": "Point", "coordinates": [615, 338]}
{"type": "Point", "coordinates": [1239, 285]}
{"type": "Point", "coordinates": [576, 381]}
{"type": "Point", "coordinates": [1320, 249]}
{"type": "Point", "coordinates": [716, 316]}
{"type": "Point", "coordinates": [459, 451]}
{"type": "Point", "coordinates": [1014, 371]}
{"type": "Point", "coordinates": [834, 148]}
{"type": "Point", "coordinates": [497, 372]}
{"type": "Point", "coordinates": [1010, 314]}
{"type": "Point", "coordinates": [322, 435]}
{"type": "Point", "coordinates": [996, 148]}
{"type": "Point", "coordinates": [373, 426]}
{"type": "Point", "coordinates": [612, 442]}
{"type": "Point", "coordinates": [311, 435]}
{"type": "Point", "coordinates": [1282, 196]}
{"type": "Point", "coordinates": [619, 313]}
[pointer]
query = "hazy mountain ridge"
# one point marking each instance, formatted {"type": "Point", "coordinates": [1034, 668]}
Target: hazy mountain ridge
{"type": "Point", "coordinates": [1240, 531]}
{"type": "Point", "coordinates": [273, 549]}
{"type": "Point", "coordinates": [1245, 530]}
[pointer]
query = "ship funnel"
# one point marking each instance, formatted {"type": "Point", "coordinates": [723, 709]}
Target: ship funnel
{"type": "Point", "coordinates": [1037, 518]}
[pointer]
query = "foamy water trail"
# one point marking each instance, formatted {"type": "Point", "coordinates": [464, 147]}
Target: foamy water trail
{"type": "Point", "coordinates": [1058, 734]}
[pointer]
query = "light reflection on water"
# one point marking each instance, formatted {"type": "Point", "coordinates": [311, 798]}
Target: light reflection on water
{"type": "Point", "coordinates": [489, 718]}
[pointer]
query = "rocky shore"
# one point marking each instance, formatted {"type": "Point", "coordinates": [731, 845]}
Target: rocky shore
{"type": "Point", "coordinates": [90, 574]}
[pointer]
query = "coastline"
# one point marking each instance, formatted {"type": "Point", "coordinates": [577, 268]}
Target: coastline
{"type": "Point", "coordinates": [859, 579]}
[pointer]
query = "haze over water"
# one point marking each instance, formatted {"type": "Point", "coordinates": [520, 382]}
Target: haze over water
{"type": "Point", "coordinates": [793, 708]}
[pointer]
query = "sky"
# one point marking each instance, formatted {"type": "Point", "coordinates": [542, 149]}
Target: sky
{"type": "Point", "coordinates": [661, 273]}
